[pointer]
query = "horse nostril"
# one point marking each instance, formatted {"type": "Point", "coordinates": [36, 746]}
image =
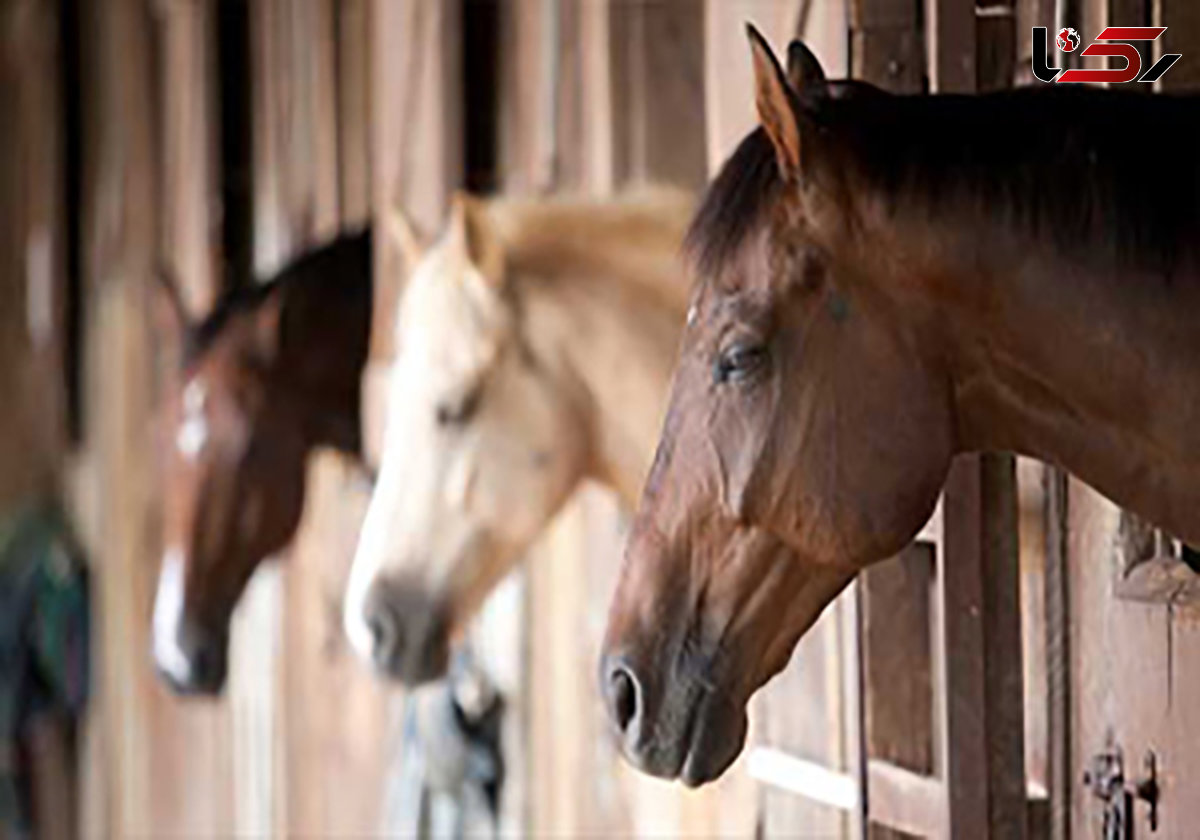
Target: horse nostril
{"type": "Point", "coordinates": [203, 666]}
{"type": "Point", "coordinates": [623, 696]}
{"type": "Point", "coordinates": [384, 626]}
{"type": "Point", "coordinates": [206, 668]}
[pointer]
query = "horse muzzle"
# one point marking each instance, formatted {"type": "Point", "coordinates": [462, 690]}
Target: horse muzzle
{"type": "Point", "coordinates": [677, 727]}
{"type": "Point", "coordinates": [193, 660]}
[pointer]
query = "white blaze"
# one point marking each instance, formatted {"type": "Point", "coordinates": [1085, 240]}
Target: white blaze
{"type": "Point", "coordinates": [168, 613]}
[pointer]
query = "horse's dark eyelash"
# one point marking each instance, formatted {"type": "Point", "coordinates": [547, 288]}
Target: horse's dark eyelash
{"type": "Point", "coordinates": [729, 368]}
{"type": "Point", "coordinates": [460, 411]}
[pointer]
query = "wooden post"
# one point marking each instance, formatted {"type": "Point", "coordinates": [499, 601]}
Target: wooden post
{"type": "Point", "coordinates": [32, 280]}
{"type": "Point", "coordinates": [658, 71]}
{"type": "Point", "coordinates": [1058, 656]}
{"type": "Point", "coordinates": [982, 730]}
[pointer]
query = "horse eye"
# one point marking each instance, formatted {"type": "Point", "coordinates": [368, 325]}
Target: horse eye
{"type": "Point", "coordinates": [739, 362]}
{"type": "Point", "coordinates": [459, 411]}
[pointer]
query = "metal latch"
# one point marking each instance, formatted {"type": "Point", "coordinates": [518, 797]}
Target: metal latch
{"type": "Point", "coordinates": [1105, 777]}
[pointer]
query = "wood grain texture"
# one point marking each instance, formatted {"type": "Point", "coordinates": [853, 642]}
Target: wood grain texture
{"type": "Point", "coordinates": [32, 280]}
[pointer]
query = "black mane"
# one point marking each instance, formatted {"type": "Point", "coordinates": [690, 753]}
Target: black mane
{"type": "Point", "coordinates": [1100, 174]}
{"type": "Point", "coordinates": [344, 264]}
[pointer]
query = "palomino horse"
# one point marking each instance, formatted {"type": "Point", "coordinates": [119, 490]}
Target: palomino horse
{"type": "Point", "coordinates": [270, 374]}
{"type": "Point", "coordinates": [884, 282]}
{"type": "Point", "coordinates": [535, 346]}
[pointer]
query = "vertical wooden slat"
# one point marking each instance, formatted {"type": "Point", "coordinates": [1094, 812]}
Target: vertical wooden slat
{"type": "Point", "coordinates": [950, 38]}
{"type": "Point", "coordinates": [996, 37]}
{"type": "Point", "coordinates": [897, 659]}
{"type": "Point", "coordinates": [191, 218]}
{"type": "Point", "coordinates": [1182, 19]}
{"type": "Point", "coordinates": [295, 128]}
{"type": "Point", "coordinates": [32, 288]}
{"type": "Point", "coordinates": [981, 746]}
{"type": "Point", "coordinates": [1031, 13]}
{"type": "Point", "coordinates": [352, 24]}
{"type": "Point", "coordinates": [658, 84]}
{"type": "Point", "coordinates": [1058, 656]}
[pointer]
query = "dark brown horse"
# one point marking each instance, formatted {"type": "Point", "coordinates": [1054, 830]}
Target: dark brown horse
{"type": "Point", "coordinates": [884, 282]}
{"type": "Point", "coordinates": [270, 374]}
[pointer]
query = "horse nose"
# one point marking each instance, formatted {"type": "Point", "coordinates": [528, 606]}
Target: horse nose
{"type": "Point", "coordinates": [194, 661]}
{"type": "Point", "coordinates": [623, 695]}
{"type": "Point", "coordinates": [208, 668]}
{"type": "Point", "coordinates": [382, 618]}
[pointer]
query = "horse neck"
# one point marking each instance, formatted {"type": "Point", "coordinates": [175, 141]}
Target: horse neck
{"type": "Point", "coordinates": [1089, 366]}
{"type": "Point", "coordinates": [327, 323]}
{"type": "Point", "coordinates": [612, 341]}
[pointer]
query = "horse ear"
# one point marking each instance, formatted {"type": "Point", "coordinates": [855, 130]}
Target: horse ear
{"type": "Point", "coordinates": [773, 98]}
{"type": "Point", "coordinates": [405, 238]}
{"type": "Point", "coordinates": [168, 311]}
{"type": "Point", "coordinates": [471, 230]}
{"type": "Point", "coordinates": [804, 72]}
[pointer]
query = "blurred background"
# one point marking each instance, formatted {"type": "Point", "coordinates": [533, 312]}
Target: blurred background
{"type": "Point", "coordinates": [218, 139]}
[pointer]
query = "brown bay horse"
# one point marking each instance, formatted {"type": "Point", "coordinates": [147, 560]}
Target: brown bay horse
{"type": "Point", "coordinates": [270, 374]}
{"type": "Point", "coordinates": [881, 283]}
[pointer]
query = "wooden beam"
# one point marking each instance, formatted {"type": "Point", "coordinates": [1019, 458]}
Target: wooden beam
{"type": "Point", "coordinates": [1182, 19]}
{"type": "Point", "coordinates": [950, 46]}
{"type": "Point", "coordinates": [1058, 656]}
{"type": "Point", "coordinates": [897, 659]}
{"type": "Point", "coordinates": [33, 262]}
{"type": "Point", "coordinates": [658, 65]}
{"type": "Point", "coordinates": [352, 24]}
{"type": "Point", "coordinates": [981, 747]}
{"type": "Point", "coordinates": [803, 778]}
{"type": "Point", "coordinates": [904, 801]}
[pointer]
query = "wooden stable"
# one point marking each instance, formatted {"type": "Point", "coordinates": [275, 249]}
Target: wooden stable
{"type": "Point", "coordinates": [960, 690]}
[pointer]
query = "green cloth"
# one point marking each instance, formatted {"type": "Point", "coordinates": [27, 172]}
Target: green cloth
{"type": "Point", "coordinates": [43, 642]}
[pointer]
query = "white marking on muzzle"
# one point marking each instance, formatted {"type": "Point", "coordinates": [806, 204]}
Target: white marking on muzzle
{"type": "Point", "coordinates": [168, 615]}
